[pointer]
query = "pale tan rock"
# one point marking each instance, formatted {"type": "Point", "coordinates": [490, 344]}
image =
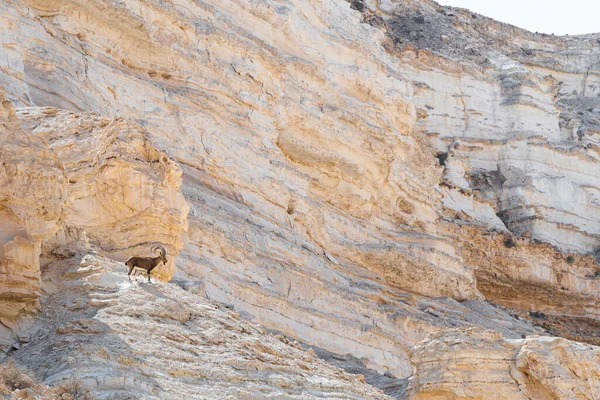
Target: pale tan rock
{"type": "Point", "coordinates": [560, 368]}
{"type": "Point", "coordinates": [306, 135]}
{"type": "Point", "coordinates": [33, 202]}
{"type": "Point", "coordinates": [158, 341]}
{"type": "Point", "coordinates": [515, 113]}
{"type": "Point", "coordinates": [72, 176]}
{"type": "Point", "coordinates": [300, 168]}
{"type": "Point", "coordinates": [477, 364]}
{"type": "Point", "coordinates": [125, 194]}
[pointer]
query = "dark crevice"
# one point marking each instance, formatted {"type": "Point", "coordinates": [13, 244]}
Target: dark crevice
{"type": "Point", "coordinates": [442, 158]}
{"type": "Point", "coordinates": [357, 5]}
{"type": "Point", "coordinates": [509, 242]}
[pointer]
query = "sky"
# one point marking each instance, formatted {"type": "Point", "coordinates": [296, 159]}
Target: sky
{"type": "Point", "coordinates": [560, 17]}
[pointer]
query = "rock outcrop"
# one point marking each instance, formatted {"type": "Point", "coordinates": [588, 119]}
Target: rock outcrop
{"type": "Point", "coordinates": [477, 364]}
{"type": "Point", "coordinates": [513, 113]}
{"type": "Point", "coordinates": [125, 194]}
{"type": "Point", "coordinates": [297, 159]}
{"type": "Point", "coordinates": [33, 201]}
{"type": "Point", "coordinates": [69, 177]}
{"type": "Point", "coordinates": [157, 341]}
{"type": "Point", "coordinates": [513, 118]}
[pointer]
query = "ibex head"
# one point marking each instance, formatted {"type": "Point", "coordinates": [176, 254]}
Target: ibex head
{"type": "Point", "coordinates": [163, 253]}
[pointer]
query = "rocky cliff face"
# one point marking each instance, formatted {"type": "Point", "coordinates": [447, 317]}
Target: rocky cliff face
{"type": "Point", "coordinates": [74, 177]}
{"type": "Point", "coordinates": [374, 178]}
{"type": "Point", "coordinates": [32, 189]}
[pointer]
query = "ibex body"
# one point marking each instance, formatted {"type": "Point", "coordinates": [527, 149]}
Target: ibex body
{"type": "Point", "coordinates": [147, 263]}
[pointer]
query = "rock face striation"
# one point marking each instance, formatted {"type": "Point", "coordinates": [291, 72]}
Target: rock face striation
{"type": "Point", "coordinates": [394, 183]}
{"type": "Point", "coordinates": [157, 341]}
{"type": "Point", "coordinates": [124, 193]}
{"type": "Point", "coordinates": [71, 178]}
{"type": "Point", "coordinates": [475, 364]}
{"type": "Point", "coordinates": [33, 200]}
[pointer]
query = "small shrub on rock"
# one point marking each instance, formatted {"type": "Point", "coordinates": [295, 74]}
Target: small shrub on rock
{"type": "Point", "coordinates": [12, 378]}
{"type": "Point", "coordinates": [73, 389]}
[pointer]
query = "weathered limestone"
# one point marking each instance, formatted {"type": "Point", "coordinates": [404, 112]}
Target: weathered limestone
{"type": "Point", "coordinates": [515, 115]}
{"type": "Point", "coordinates": [478, 364]}
{"type": "Point", "coordinates": [125, 194]}
{"type": "Point", "coordinates": [33, 201]}
{"type": "Point", "coordinates": [71, 176]}
{"type": "Point", "coordinates": [296, 157]}
{"type": "Point", "coordinates": [157, 341]}
{"type": "Point", "coordinates": [360, 175]}
{"type": "Point", "coordinates": [538, 180]}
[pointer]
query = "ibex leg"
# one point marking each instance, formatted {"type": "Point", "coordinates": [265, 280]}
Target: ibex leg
{"type": "Point", "coordinates": [129, 273]}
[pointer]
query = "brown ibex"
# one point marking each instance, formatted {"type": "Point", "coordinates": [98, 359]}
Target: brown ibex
{"type": "Point", "coordinates": [147, 263]}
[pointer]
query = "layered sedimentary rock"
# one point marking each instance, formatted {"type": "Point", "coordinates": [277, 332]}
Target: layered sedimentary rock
{"type": "Point", "coordinates": [299, 166]}
{"type": "Point", "coordinates": [514, 115]}
{"type": "Point", "coordinates": [124, 193]}
{"type": "Point", "coordinates": [33, 200]}
{"type": "Point", "coordinates": [157, 341]}
{"type": "Point", "coordinates": [360, 175]}
{"type": "Point", "coordinates": [78, 177]}
{"type": "Point", "coordinates": [478, 364]}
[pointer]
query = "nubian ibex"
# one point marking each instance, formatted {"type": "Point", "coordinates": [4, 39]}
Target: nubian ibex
{"type": "Point", "coordinates": [147, 263]}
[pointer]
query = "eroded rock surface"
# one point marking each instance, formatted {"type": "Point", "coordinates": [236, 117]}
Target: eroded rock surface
{"type": "Point", "coordinates": [513, 118]}
{"type": "Point", "coordinates": [299, 165]}
{"type": "Point", "coordinates": [514, 113]}
{"type": "Point", "coordinates": [476, 364]}
{"type": "Point", "coordinates": [157, 341]}
{"type": "Point", "coordinates": [125, 194]}
{"type": "Point", "coordinates": [69, 177]}
{"type": "Point", "coordinates": [359, 175]}
{"type": "Point", "coordinates": [33, 202]}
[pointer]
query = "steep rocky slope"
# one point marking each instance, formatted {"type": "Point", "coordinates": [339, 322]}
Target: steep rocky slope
{"type": "Point", "coordinates": [513, 117]}
{"type": "Point", "coordinates": [373, 178]}
{"type": "Point", "coordinates": [157, 341]}
{"type": "Point", "coordinates": [124, 193]}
